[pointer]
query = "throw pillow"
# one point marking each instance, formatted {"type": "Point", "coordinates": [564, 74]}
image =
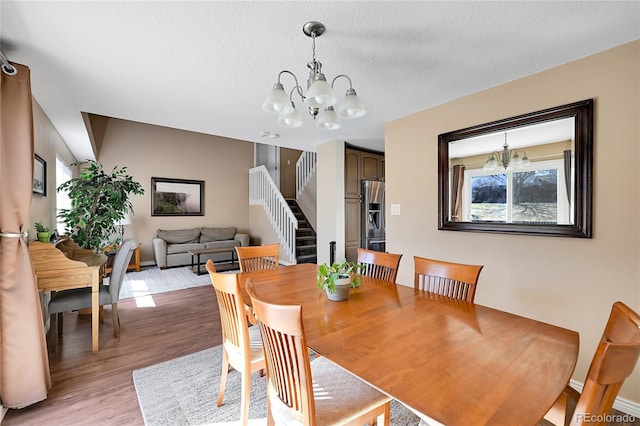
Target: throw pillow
{"type": "Point", "coordinates": [179, 236]}
{"type": "Point", "coordinates": [217, 234]}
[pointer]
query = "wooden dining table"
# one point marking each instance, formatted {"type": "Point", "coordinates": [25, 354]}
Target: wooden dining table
{"type": "Point", "coordinates": [457, 363]}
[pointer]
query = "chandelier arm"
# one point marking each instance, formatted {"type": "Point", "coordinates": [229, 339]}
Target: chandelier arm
{"type": "Point", "coordinates": [297, 89]}
{"type": "Point", "coordinates": [342, 75]}
{"type": "Point", "coordinates": [287, 72]}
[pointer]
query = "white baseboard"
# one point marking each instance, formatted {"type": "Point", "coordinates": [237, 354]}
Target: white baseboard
{"type": "Point", "coordinates": [621, 404]}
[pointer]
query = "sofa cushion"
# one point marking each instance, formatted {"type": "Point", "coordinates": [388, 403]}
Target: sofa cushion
{"type": "Point", "coordinates": [217, 234]}
{"type": "Point", "coordinates": [183, 248]}
{"type": "Point", "coordinates": [221, 244]}
{"type": "Point", "coordinates": [178, 236]}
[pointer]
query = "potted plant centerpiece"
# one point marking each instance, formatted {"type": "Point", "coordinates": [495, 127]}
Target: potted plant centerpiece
{"type": "Point", "coordinates": [43, 233]}
{"type": "Point", "coordinates": [337, 279]}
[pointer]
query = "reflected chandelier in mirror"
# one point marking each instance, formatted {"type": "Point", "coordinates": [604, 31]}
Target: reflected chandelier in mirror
{"type": "Point", "coordinates": [530, 174]}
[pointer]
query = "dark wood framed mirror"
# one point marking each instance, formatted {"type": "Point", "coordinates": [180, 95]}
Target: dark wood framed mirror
{"type": "Point", "coordinates": [530, 174]}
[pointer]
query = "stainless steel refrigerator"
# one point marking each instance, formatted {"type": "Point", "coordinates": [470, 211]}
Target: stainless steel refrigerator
{"type": "Point", "coordinates": [372, 225]}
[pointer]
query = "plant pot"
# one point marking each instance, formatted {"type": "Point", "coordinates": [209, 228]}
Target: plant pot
{"type": "Point", "coordinates": [341, 293]}
{"type": "Point", "coordinates": [44, 237]}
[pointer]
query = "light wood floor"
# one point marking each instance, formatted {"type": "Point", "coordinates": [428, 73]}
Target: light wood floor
{"type": "Point", "coordinates": [98, 389]}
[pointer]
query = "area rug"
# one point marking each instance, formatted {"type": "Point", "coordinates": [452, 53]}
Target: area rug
{"type": "Point", "coordinates": [184, 391]}
{"type": "Point", "coordinates": [154, 280]}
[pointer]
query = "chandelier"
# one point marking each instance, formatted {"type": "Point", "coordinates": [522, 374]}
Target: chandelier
{"type": "Point", "coordinates": [320, 97]}
{"type": "Point", "coordinates": [507, 158]}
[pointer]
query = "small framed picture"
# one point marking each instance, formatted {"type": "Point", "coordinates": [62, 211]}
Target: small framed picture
{"type": "Point", "coordinates": [177, 197]}
{"type": "Point", "coordinates": [39, 176]}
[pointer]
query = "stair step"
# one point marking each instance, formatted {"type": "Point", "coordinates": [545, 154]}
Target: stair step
{"type": "Point", "coordinates": [307, 247]}
{"type": "Point", "coordinates": [309, 239]}
{"type": "Point", "coordinates": [310, 249]}
{"type": "Point", "coordinates": [307, 258]}
{"type": "Point", "coordinates": [305, 232]}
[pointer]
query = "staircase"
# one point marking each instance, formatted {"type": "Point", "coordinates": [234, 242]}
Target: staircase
{"type": "Point", "coordinates": [306, 249]}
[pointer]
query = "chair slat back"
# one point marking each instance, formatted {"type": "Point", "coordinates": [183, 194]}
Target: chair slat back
{"type": "Point", "coordinates": [376, 264]}
{"type": "Point", "coordinates": [615, 359]}
{"type": "Point", "coordinates": [456, 280]}
{"type": "Point", "coordinates": [258, 258]}
{"type": "Point", "coordinates": [233, 318]}
{"type": "Point", "coordinates": [286, 357]}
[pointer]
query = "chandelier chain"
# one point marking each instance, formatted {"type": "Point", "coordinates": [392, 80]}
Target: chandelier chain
{"type": "Point", "coordinates": [313, 46]}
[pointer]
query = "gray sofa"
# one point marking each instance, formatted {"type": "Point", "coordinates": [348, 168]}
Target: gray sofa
{"type": "Point", "coordinates": [170, 246]}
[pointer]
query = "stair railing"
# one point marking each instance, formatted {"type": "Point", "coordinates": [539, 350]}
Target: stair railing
{"type": "Point", "coordinates": [263, 191]}
{"type": "Point", "coordinates": [305, 168]}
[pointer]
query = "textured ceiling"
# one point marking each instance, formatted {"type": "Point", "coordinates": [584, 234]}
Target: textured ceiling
{"type": "Point", "coordinates": [207, 66]}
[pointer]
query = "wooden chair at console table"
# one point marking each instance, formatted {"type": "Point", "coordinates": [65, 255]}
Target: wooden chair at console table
{"type": "Point", "coordinates": [80, 298]}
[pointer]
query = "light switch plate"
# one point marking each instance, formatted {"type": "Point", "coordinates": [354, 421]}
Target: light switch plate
{"type": "Point", "coordinates": [395, 209]}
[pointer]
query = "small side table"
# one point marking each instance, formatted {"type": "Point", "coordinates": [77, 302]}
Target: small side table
{"type": "Point", "coordinates": [134, 263]}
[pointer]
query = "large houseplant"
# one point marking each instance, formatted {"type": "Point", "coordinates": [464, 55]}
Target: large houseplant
{"type": "Point", "coordinates": [338, 278]}
{"type": "Point", "coordinates": [98, 201]}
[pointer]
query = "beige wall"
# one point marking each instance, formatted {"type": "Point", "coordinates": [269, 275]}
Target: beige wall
{"type": "Point", "coordinates": [154, 151]}
{"type": "Point", "coordinates": [47, 144]}
{"type": "Point", "coordinates": [330, 206]}
{"type": "Point", "coordinates": [565, 281]}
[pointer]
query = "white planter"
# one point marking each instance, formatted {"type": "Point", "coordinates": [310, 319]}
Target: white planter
{"type": "Point", "coordinates": [341, 293]}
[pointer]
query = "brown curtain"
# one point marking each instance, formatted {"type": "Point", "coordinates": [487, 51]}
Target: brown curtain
{"type": "Point", "coordinates": [24, 365]}
{"type": "Point", "coordinates": [457, 180]}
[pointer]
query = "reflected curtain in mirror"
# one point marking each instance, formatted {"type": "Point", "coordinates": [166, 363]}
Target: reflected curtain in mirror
{"type": "Point", "coordinates": [457, 180]}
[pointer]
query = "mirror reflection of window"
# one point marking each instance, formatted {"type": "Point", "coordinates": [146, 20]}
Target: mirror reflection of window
{"type": "Point", "coordinates": [536, 195]}
{"type": "Point", "coordinates": [488, 196]}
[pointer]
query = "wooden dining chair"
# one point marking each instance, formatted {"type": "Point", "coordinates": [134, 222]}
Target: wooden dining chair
{"type": "Point", "coordinates": [258, 258]}
{"type": "Point", "coordinates": [456, 280]}
{"type": "Point", "coordinates": [314, 392]}
{"type": "Point", "coordinates": [615, 358]}
{"type": "Point", "coordinates": [241, 344]}
{"type": "Point", "coordinates": [376, 264]}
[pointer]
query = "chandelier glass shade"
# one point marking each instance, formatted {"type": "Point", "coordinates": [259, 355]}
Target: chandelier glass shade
{"type": "Point", "coordinates": [320, 97]}
{"type": "Point", "coordinates": [507, 159]}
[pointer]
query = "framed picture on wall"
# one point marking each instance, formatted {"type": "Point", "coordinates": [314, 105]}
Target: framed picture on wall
{"type": "Point", "coordinates": [177, 197]}
{"type": "Point", "coordinates": [39, 175]}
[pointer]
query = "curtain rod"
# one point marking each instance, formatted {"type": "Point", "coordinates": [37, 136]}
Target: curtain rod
{"type": "Point", "coordinates": [7, 68]}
